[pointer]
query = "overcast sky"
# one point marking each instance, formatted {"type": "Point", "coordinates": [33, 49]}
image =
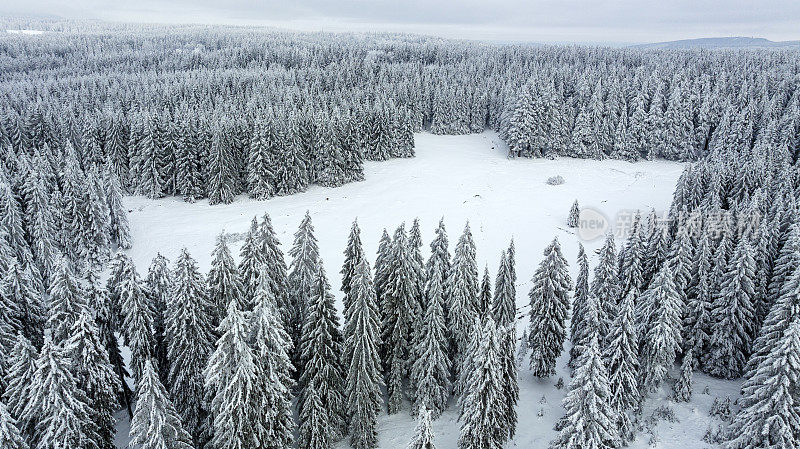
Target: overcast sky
{"type": "Point", "coordinates": [621, 21]}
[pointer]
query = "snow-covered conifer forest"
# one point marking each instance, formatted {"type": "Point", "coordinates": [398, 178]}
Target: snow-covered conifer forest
{"type": "Point", "coordinates": [234, 238]}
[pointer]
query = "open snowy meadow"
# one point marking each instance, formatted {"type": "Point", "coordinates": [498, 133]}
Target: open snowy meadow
{"type": "Point", "coordinates": [461, 178]}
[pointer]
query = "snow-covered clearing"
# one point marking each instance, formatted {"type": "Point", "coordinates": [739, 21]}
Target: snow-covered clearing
{"type": "Point", "coordinates": [461, 178]}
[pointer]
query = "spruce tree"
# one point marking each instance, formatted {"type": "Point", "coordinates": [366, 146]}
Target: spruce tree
{"type": "Point", "coordinates": [232, 379]}
{"type": "Point", "coordinates": [683, 387]}
{"type": "Point", "coordinates": [577, 324]}
{"type": "Point", "coordinates": [138, 322]}
{"type": "Point", "coordinates": [696, 324]}
{"type": "Point", "coordinates": [504, 307]}
{"type": "Point", "coordinates": [321, 380]}
{"type": "Point", "coordinates": [157, 287]}
{"type": "Point", "coordinates": [190, 341]}
{"type": "Point", "coordinates": [661, 339]}
{"type": "Point", "coordinates": [415, 242]}
{"type": "Point", "coordinates": [483, 404]}
{"type": "Point", "coordinates": [590, 420]}
{"type": "Point", "coordinates": [441, 254]}
{"type": "Point", "coordinates": [423, 434]}
{"type": "Point", "coordinates": [605, 286]}
{"type": "Point", "coordinates": [156, 424]}
{"type": "Point", "coordinates": [276, 267]}
{"type": "Point", "coordinates": [66, 303]}
{"type": "Point", "coordinates": [20, 373]}
{"type": "Point", "coordinates": [221, 168]}
{"type": "Point", "coordinates": [353, 254]}
{"type": "Point", "coordinates": [573, 218]}
{"type": "Point", "coordinates": [10, 436]}
{"type": "Point", "coordinates": [732, 317]}
{"type": "Point", "coordinates": [399, 309]}
{"type": "Point", "coordinates": [22, 304]}
{"type": "Point", "coordinates": [462, 292]}
{"type": "Point", "coordinates": [224, 285]}
{"type": "Point", "coordinates": [622, 360]}
{"type": "Point", "coordinates": [58, 407]}
{"type": "Point", "coordinates": [252, 259]}
{"type": "Point", "coordinates": [363, 381]}
{"type": "Point", "coordinates": [430, 366]}
{"type": "Point", "coordinates": [303, 276]}
{"type": "Point", "coordinates": [769, 416]}
{"type": "Point", "coordinates": [382, 265]}
{"type": "Point", "coordinates": [119, 229]}
{"type": "Point", "coordinates": [485, 296]}
{"type": "Point", "coordinates": [549, 310]}
{"type": "Point", "coordinates": [95, 377]}
{"type": "Point", "coordinates": [271, 348]}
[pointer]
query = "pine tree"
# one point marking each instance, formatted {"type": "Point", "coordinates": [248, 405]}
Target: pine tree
{"type": "Point", "coordinates": [430, 366]}
{"type": "Point", "coordinates": [399, 309]}
{"type": "Point", "coordinates": [462, 292]}
{"type": "Point", "coordinates": [157, 287]}
{"type": "Point", "coordinates": [66, 303]}
{"type": "Point", "coordinates": [156, 424]}
{"type": "Point", "coordinates": [769, 416]}
{"type": "Point", "coordinates": [732, 316]}
{"type": "Point", "coordinates": [504, 307]}
{"type": "Point", "coordinates": [483, 402]}
{"type": "Point", "coordinates": [508, 346]}
{"type": "Point", "coordinates": [95, 377]}
{"type": "Point", "coordinates": [622, 359]}
{"type": "Point", "coordinates": [661, 340]}
{"type": "Point", "coordinates": [224, 285]}
{"type": "Point", "coordinates": [303, 275]}
{"type": "Point", "coordinates": [353, 254]}
{"type": "Point", "coordinates": [549, 310]}
{"type": "Point", "coordinates": [574, 215]}
{"type": "Point", "coordinates": [276, 267]}
{"type": "Point", "coordinates": [22, 304]}
{"type": "Point", "coordinates": [20, 373]}
{"type": "Point", "coordinates": [221, 168]}
{"type": "Point", "coordinates": [699, 299]}
{"type": "Point", "coordinates": [363, 381]}
{"type": "Point", "coordinates": [271, 348]}
{"type": "Point", "coordinates": [630, 261]}
{"type": "Point", "coordinates": [58, 407]}
{"type": "Point", "coordinates": [119, 229]}
{"type": "Point", "coordinates": [485, 296]}
{"type": "Point", "coordinates": [321, 379]}
{"type": "Point", "coordinates": [10, 436]}
{"type": "Point", "coordinates": [252, 259]}
{"type": "Point", "coordinates": [382, 266]}
{"type": "Point", "coordinates": [415, 242]}
{"type": "Point", "coordinates": [590, 420]}
{"type": "Point", "coordinates": [190, 341]}
{"type": "Point", "coordinates": [605, 286]}
{"type": "Point", "coordinates": [441, 254]}
{"type": "Point", "coordinates": [577, 325]}
{"type": "Point", "coordinates": [232, 379]}
{"type": "Point", "coordinates": [423, 434]}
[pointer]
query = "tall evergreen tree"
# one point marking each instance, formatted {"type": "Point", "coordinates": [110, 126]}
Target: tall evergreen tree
{"type": "Point", "coordinates": [190, 341]}
{"type": "Point", "coordinates": [661, 341]}
{"type": "Point", "coordinates": [363, 381]}
{"type": "Point", "coordinates": [10, 436]}
{"type": "Point", "coordinates": [549, 310]}
{"type": "Point", "coordinates": [66, 303]}
{"type": "Point", "coordinates": [156, 424]}
{"type": "Point", "coordinates": [20, 373]}
{"type": "Point", "coordinates": [252, 259]}
{"type": "Point", "coordinates": [605, 286]}
{"type": "Point", "coordinates": [423, 435]}
{"type": "Point", "coordinates": [462, 292]}
{"type": "Point", "coordinates": [303, 275]}
{"type": "Point", "coordinates": [577, 324]}
{"type": "Point", "coordinates": [621, 359]}
{"type": "Point", "coordinates": [157, 287]}
{"type": "Point", "coordinates": [224, 285]}
{"type": "Point", "coordinates": [138, 322]}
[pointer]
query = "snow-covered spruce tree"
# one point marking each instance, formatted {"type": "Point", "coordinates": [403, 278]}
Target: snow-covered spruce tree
{"type": "Point", "coordinates": [574, 215]}
{"type": "Point", "coordinates": [440, 254]}
{"type": "Point", "coordinates": [577, 326]}
{"type": "Point", "coordinates": [430, 364]}
{"type": "Point", "coordinates": [423, 434]}
{"type": "Point", "coordinates": [276, 266]}
{"type": "Point", "coordinates": [157, 287]}
{"type": "Point", "coordinates": [504, 313]}
{"type": "Point", "coordinates": [681, 258]}
{"type": "Point", "coordinates": [363, 380]}
{"type": "Point", "coordinates": [57, 406]}
{"type": "Point", "coordinates": [503, 308]}
{"type": "Point", "coordinates": [353, 253]}
{"type": "Point", "coordinates": [10, 436]}
{"type": "Point", "coordinates": [399, 309]}
{"type": "Point", "coordinates": [630, 261]}
{"type": "Point", "coordinates": [260, 182]}
{"type": "Point", "coordinates": [483, 403]}
{"type": "Point", "coordinates": [485, 296]}
{"type": "Point", "coordinates": [732, 317]}
{"type": "Point", "coordinates": [415, 242]}
{"type": "Point", "coordinates": [605, 286]}
{"type": "Point", "coordinates": [95, 226]}
{"type": "Point", "coordinates": [156, 424]}
{"type": "Point", "coordinates": [321, 352]}
{"type": "Point", "coordinates": [20, 371]}
{"type": "Point", "coordinates": [661, 339]}
{"type": "Point", "coordinates": [251, 260]}
{"type": "Point", "coordinates": [224, 285]}
{"type": "Point", "coordinates": [232, 380]}
{"type": "Point", "coordinates": [138, 319]}
{"type": "Point", "coordinates": [119, 229]}
{"type": "Point", "coordinates": [462, 292]}
{"type": "Point", "coordinates": [41, 226]}
{"type": "Point", "coordinates": [590, 420]}
{"type": "Point", "coordinates": [769, 416]}
{"type": "Point", "coordinates": [271, 348]}
{"type": "Point", "coordinates": [549, 297]}
{"type": "Point", "coordinates": [622, 360]}
{"type": "Point", "coordinates": [682, 391]}
{"type": "Point", "coordinates": [22, 304]}
{"type": "Point", "coordinates": [382, 266]}
{"type": "Point", "coordinates": [66, 303]}
{"type": "Point", "coordinates": [303, 276]}
{"type": "Point", "coordinates": [223, 176]}
{"type": "Point", "coordinates": [95, 377]}
{"type": "Point", "coordinates": [190, 340]}
{"type": "Point", "coordinates": [696, 323]}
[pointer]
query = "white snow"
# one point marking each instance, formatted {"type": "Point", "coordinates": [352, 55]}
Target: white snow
{"type": "Point", "coordinates": [461, 178]}
{"type": "Point", "coordinates": [26, 32]}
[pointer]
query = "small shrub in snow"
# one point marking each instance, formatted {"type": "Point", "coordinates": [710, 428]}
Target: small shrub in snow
{"type": "Point", "coordinates": [540, 413]}
{"type": "Point", "coordinates": [721, 409]}
{"type": "Point", "coordinates": [664, 413]}
{"type": "Point", "coordinates": [555, 180]}
{"type": "Point", "coordinates": [706, 390]}
{"type": "Point", "coordinates": [543, 400]}
{"type": "Point", "coordinates": [714, 435]}
{"type": "Point", "coordinates": [574, 215]}
{"type": "Point", "coordinates": [560, 383]}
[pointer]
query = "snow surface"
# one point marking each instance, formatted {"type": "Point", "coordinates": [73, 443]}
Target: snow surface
{"type": "Point", "coordinates": [28, 32]}
{"type": "Point", "coordinates": [461, 178]}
